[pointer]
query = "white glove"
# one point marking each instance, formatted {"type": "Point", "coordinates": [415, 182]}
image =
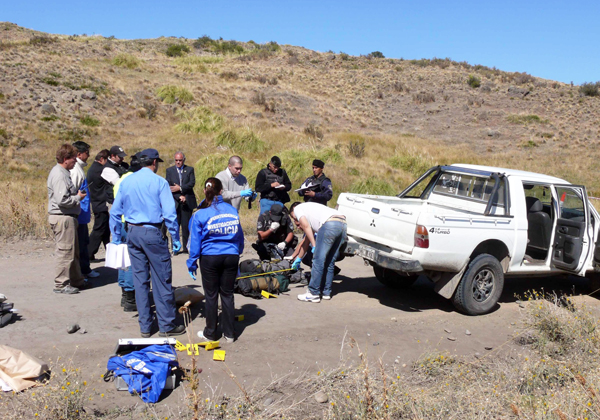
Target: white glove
{"type": "Point", "coordinates": [281, 245]}
{"type": "Point", "coordinates": [274, 226]}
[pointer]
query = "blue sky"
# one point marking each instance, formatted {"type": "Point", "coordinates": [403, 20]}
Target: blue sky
{"type": "Point", "coordinates": [555, 40]}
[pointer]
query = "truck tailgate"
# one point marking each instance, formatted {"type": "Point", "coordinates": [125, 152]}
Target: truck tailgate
{"type": "Point", "coordinates": [389, 221]}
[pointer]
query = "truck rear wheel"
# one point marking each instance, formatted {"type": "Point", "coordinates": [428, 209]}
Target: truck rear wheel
{"type": "Point", "coordinates": [393, 279]}
{"type": "Point", "coordinates": [480, 287]}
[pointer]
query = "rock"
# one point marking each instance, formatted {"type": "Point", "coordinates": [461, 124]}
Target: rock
{"type": "Point", "coordinates": [376, 343]}
{"type": "Point", "coordinates": [72, 328]}
{"type": "Point", "coordinates": [452, 338]}
{"type": "Point", "coordinates": [477, 355]}
{"type": "Point", "coordinates": [82, 331]}
{"type": "Point", "coordinates": [467, 332]}
{"type": "Point", "coordinates": [492, 133]}
{"type": "Point", "coordinates": [257, 114]}
{"type": "Point", "coordinates": [488, 348]}
{"type": "Point", "coordinates": [447, 330]}
{"type": "Point", "coordinates": [88, 94]}
{"type": "Point", "coordinates": [396, 361]}
{"type": "Point", "coordinates": [394, 319]}
{"type": "Point", "coordinates": [515, 91]}
{"type": "Point", "coordinates": [268, 402]}
{"type": "Point", "coordinates": [48, 109]}
{"type": "Point", "coordinates": [321, 397]}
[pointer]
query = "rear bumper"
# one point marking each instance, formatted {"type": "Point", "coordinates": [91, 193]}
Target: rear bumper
{"type": "Point", "coordinates": [382, 259]}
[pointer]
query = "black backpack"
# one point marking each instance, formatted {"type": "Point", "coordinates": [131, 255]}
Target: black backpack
{"type": "Point", "coordinates": [253, 286]}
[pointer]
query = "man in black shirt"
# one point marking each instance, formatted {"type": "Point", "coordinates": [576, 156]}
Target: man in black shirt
{"type": "Point", "coordinates": [275, 231]}
{"type": "Point", "coordinates": [273, 184]}
{"type": "Point", "coordinates": [317, 188]}
{"type": "Point", "coordinates": [98, 200]}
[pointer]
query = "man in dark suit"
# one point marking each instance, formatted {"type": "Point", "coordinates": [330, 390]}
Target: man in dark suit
{"type": "Point", "coordinates": [181, 179]}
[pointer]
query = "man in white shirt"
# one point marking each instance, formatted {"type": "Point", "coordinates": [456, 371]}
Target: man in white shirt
{"type": "Point", "coordinates": [235, 185]}
{"type": "Point", "coordinates": [330, 225]}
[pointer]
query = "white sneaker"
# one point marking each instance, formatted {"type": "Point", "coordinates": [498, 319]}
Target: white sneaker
{"type": "Point", "coordinates": [93, 274]}
{"type": "Point", "coordinates": [202, 337]}
{"type": "Point", "coordinates": [228, 340]}
{"type": "Point", "coordinates": [326, 297]}
{"type": "Point", "coordinates": [309, 297]}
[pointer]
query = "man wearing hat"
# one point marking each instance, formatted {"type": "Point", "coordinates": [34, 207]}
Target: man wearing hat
{"type": "Point", "coordinates": [317, 188]}
{"type": "Point", "coordinates": [275, 231]}
{"type": "Point", "coordinates": [147, 203]}
{"type": "Point", "coordinates": [273, 185]}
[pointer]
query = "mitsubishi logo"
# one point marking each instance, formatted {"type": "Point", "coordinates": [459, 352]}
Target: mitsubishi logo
{"type": "Point", "coordinates": [373, 223]}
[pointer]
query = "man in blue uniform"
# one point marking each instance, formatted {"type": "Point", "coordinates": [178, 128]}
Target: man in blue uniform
{"type": "Point", "coordinates": [146, 201]}
{"type": "Point", "coordinates": [317, 188]}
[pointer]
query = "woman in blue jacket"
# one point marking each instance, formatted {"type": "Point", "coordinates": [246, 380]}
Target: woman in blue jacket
{"type": "Point", "coordinates": [217, 240]}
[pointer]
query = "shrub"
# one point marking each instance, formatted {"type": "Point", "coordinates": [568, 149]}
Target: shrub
{"type": "Point", "coordinates": [474, 81]}
{"type": "Point", "coordinates": [522, 78]}
{"type": "Point", "coordinates": [590, 89]}
{"type": "Point", "coordinates": [50, 81]}
{"type": "Point", "coordinates": [229, 75]}
{"type": "Point", "coordinates": [42, 40]}
{"type": "Point", "coordinates": [313, 131]}
{"type": "Point", "coordinates": [400, 87]}
{"type": "Point", "coordinates": [525, 119]}
{"type": "Point", "coordinates": [344, 56]}
{"type": "Point", "coordinates": [177, 50]}
{"type": "Point", "coordinates": [199, 120]}
{"type": "Point", "coordinates": [171, 94]}
{"type": "Point", "coordinates": [204, 42]}
{"type": "Point", "coordinates": [258, 98]}
{"type": "Point", "coordinates": [414, 164]}
{"type": "Point", "coordinates": [89, 121]}
{"type": "Point", "coordinates": [227, 47]}
{"type": "Point", "coordinates": [126, 60]}
{"type": "Point", "coordinates": [423, 98]}
{"type": "Point", "coordinates": [356, 148]}
{"type": "Point", "coordinates": [3, 133]}
{"type": "Point", "coordinates": [376, 54]}
{"type": "Point", "coordinates": [55, 74]}
{"type": "Point", "coordinates": [245, 142]}
{"type": "Point", "coordinates": [50, 118]}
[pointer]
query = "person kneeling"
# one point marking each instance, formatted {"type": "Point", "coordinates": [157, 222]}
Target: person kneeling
{"type": "Point", "coordinates": [275, 232]}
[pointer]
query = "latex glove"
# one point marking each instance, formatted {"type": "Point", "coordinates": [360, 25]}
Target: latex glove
{"type": "Point", "coordinates": [176, 246]}
{"type": "Point", "coordinates": [312, 249]}
{"type": "Point", "coordinates": [116, 241]}
{"type": "Point", "coordinates": [274, 226]}
{"type": "Point", "coordinates": [254, 195]}
{"type": "Point", "coordinates": [246, 193]}
{"type": "Point", "coordinates": [281, 245]}
{"type": "Point", "coordinates": [296, 264]}
{"type": "Point", "coordinates": [192, 274]}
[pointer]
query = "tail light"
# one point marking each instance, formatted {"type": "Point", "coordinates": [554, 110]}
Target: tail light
{"type": "Point", "coordinates": [421, 237]}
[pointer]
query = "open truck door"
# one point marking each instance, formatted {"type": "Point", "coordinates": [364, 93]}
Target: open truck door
{"type": "Point", "coordinates": [571, 237]}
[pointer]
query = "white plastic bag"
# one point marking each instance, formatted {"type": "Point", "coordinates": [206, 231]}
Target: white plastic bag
{"type": "Point", "coordinates": [117, 256]}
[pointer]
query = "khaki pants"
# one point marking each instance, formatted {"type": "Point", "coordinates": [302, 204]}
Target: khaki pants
{"type": "Point", "coordinates": [68, 271]}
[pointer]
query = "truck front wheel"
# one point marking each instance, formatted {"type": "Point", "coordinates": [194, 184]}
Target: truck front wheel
{"type": "Point", "coordinates": [480, 287]}
{"type": "Point", "coordinates": [393, 279]}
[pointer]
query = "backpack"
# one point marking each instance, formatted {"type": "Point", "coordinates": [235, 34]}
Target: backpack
{"type": "Point", "coordinates": [253, 286]}
{"type": "Point", "coordinates": [256, 266]}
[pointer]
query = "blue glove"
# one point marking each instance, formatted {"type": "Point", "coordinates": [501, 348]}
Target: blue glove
{"type": "Point", "coordinates": [192, 274]}
{"type": "Point", "coordinates": [246, 193]}
{"type": "Point", "coordinates": [296, 264]}
{"type": "Point", "coordinates": [254, 195]}
{"type": "Point", "coordinates": [116, 241]}
{"type": "Point", "coordinates": [312, 249]}
{"type": "Point", "coordinates": [176, 246]}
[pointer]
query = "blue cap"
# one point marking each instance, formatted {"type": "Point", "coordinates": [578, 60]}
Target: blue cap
{"type": "Point", "coordinates": [150, 154]}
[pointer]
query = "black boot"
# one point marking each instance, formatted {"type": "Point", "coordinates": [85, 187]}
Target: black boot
{"type": "Point", "coordinates": [130, 305]}
{"type": "Point", "coordinates": [123, 297]}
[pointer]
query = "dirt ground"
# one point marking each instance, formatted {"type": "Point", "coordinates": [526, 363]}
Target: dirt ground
{"type": "Point", "coordinates": [278, 336]}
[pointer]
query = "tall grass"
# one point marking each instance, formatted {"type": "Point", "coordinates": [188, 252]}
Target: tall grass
{"type": "Point", "coordinates": [127, 60]}
{"type": "Point", "coordinates": [171, 94]}
{"type": "Point", "coordinates": [199, 120]}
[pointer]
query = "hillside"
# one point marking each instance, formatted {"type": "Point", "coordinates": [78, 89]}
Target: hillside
{"type": "Point", "coordinates": [377, 122]}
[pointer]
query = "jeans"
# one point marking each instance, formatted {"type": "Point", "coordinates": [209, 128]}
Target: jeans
{"type": "Point", "coordinates": [84, 257]}
{"type": "Point", "coordinates": [265, 204]}
{"type": "Point", "coordinates": [332, 235]}
{"type": "Point", "coordinates": [149, 254]}
{"type": "Point", "coordinates": [218, 278]}
{"type": "Point", "coordinates": [125, 277]}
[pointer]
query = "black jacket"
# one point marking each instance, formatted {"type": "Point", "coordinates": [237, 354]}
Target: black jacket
{"type": "Point", "coordinates": [265, 178]}
{"type": "Point", "coordinates": [187, 183]}
{"type": "Point", "coordinates": [98, 187]}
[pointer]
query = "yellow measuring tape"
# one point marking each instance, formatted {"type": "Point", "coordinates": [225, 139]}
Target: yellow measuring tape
{"type": "Point", "coordinates": [262, 274]}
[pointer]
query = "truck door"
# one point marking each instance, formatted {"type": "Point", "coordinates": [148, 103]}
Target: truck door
{"type": "Point", "coordinates": [571, 237]}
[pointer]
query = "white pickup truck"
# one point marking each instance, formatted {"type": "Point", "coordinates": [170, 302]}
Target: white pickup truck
{"type": "Point", "coordinates": [466, 227]}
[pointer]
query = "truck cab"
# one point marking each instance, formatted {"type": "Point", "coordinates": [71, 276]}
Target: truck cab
{"type": "Point", "coordinates": [466, 227]}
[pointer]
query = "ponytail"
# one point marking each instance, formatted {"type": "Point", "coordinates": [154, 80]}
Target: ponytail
{"type": "Point", "coordinates": [213, 188]}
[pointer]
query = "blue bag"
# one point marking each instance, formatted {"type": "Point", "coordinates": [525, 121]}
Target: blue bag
{"type": "Point", "coordinates": [145, 371]}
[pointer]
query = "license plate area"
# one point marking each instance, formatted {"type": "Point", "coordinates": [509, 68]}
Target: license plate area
{"type": "Point", "coordinates": [367, 253]}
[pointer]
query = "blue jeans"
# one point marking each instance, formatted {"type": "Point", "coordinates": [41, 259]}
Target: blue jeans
{"type": "Point", "coordinates": [149, 254]}
{"type": "Point", "coordinates": [125, 277]}
{"type": "Point", "coordinates": [332, 235]}
{"type": "Point", "coordinates": [265, 204]}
